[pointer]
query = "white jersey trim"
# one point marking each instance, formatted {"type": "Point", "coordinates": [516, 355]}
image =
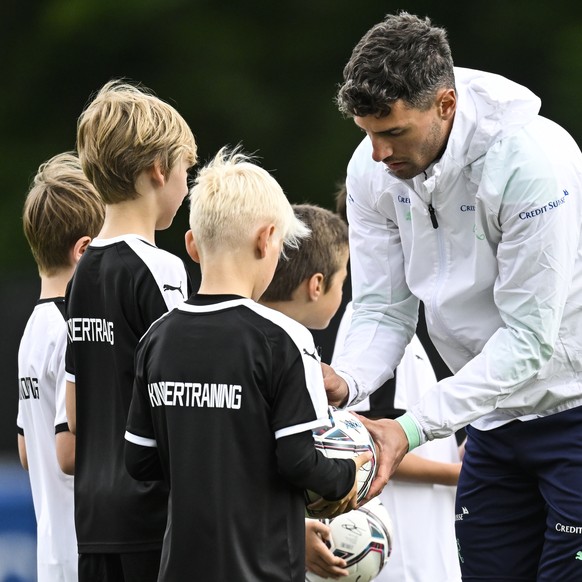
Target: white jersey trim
{"type": "Point", "coordinates": [313, 425]}
{"type": "Point", "coordinates": [141, 441]}
{"type": "Point", "coordinates": [215, 306]}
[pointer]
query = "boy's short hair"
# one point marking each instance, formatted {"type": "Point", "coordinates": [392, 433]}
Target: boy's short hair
{"type": "Point", "coordinates": [232, 197]}
{"type": "Point", "coordinates": [61, 207]}
{"type": "Point", "coordinates": [122, 132]}
{"type": "Point", "coordinates": [321, 253]}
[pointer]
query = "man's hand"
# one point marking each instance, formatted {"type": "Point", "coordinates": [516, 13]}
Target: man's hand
{"type": "Point", "coordinates": [391, 446]}
{"type": "Point", "coordinates": [319, 559]}
{"type": "Point", "coordinates": [335, 386]}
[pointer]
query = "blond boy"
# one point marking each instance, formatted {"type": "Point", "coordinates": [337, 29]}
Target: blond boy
{"type": "Point", "coordinates": [136, 149]}
{"type": "Point", "coordinates": [62, 212]}
{"type": "Point", "coordinates": [228, 391]}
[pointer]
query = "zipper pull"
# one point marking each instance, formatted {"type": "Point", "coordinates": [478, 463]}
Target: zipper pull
{"type": "Point", "coordinates": [433, 217]}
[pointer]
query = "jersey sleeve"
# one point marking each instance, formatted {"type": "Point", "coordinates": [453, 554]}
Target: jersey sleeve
{"type": "Point", "coordinates": [58, 363]}
{"type": "Point", "coordinates": [299, 399]}
{"type": "Point", "coordinates": [300, 406]}
{"type": "Point", "coordinates": [305, 467]}
{"type": "Point", "coordinates": [19, 423]}
{"type": "Point", "coordinates": [19, 415]}
{"type": "Point", "coordinates": [69, 348]}
{"type": "Point", "coordinates": [141, 454]}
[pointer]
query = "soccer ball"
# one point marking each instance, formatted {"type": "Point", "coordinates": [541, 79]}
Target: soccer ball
{"type": "Point", "coordinates": [363, 538]}
{"type": "Point", "coordinates": [346, 438]}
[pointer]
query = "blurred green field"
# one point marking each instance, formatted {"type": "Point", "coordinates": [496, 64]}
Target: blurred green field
{"type": "Point", "coordinates": [255, 73]}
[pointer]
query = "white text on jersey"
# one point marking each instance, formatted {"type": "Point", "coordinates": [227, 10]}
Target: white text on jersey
{"type": "Point", "coordinates": [89, 329]}
{"type": "Point", "coordinates": [198, 394]}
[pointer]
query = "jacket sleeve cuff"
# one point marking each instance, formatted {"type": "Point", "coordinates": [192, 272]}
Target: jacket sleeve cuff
{"type": "Point", "coordinates": [352, 389]}
{"type": "Point", "coordinates": [412, 429]}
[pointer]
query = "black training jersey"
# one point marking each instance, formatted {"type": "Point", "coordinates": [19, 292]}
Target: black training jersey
{"type": "Point", "coordinates": [119, 288]}
{"type": "Point", "coordinates": [220, 383]}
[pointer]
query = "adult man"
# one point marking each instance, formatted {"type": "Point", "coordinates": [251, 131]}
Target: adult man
{"type": "Point", "coordinates": [462, 196]}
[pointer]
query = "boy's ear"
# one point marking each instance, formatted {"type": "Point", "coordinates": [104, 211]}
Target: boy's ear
{"type": "Point", "coordinates": [156, 173]}
{"type": "Point", "coordinates": [191, 247]}
{"type": "Point", "coordinates": [263, 240]}
{"type": "Point", "coordinates": [79, 248]}
{"type": "Point", "coordinates": [315, 286]}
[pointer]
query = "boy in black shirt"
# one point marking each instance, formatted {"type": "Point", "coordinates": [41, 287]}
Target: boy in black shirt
{"type": "Point", "coordinates": [227, 394]}
{"type": "Point", "coordinates": [136, 150]}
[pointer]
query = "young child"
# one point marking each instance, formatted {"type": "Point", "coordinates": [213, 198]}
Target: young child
{"type": "Point", "coordinates": [307, 285]}
{"type": "Point", "coordinates": [62, 212]}
{"type": "Point", "coordinates": [227, 394]}
{"type": "Point", "coordinates": [136, 150]}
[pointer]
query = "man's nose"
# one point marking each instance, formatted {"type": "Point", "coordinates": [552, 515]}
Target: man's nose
{"type": "Point", "coordinates": [381, 150]}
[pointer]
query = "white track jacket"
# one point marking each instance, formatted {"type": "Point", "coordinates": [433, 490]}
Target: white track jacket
{"type": "Point", "coordinates": [500, 277]}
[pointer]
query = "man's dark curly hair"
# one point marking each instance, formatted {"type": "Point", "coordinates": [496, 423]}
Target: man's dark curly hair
{"type": "Point", "coordinates": [402, 57]}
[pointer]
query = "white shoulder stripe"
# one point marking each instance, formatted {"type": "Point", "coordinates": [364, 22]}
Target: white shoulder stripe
{"type": "Point", "coordinates": [141, 441]}
{"type": "Point", "coordinates": [167, 270]}
{"type": "Point", "coordinates": [313, 425]}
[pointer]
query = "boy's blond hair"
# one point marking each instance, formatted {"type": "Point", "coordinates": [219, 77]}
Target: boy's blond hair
{"type": "Point", "coordinates": [122, 132]}
{"type": "Point", "coordinates": [232, 197]}
{"type": "Point", "coordinates": [322, 252]}
{"type": "Point", "coordinates": [61, 207]}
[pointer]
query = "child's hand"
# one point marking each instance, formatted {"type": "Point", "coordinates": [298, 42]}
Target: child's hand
{"type": "Point", "coordinates": [325, 508]}
{"type": "Point", "coordinates": [319, 559]}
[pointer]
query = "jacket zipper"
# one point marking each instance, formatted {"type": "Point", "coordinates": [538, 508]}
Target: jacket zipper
{"type": "Point", "coordinates": [433, 217]}
{"type": "Point", "coordinates": [431, 209]}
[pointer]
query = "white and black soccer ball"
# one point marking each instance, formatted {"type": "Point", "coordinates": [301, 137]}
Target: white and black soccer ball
{"type": "Point", "coordinates": [363, 538]}
{"type": "Point", "coordinates": [346, 438]}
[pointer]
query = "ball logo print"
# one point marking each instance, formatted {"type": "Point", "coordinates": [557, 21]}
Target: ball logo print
{"type": "Point", "coordinates": [346, 438]}
{"type": "Point", "coordinates": [363, 538]}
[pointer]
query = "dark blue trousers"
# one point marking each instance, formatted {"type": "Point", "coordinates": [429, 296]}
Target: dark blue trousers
{"type": "Point", "coordinates": [519, 501]}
